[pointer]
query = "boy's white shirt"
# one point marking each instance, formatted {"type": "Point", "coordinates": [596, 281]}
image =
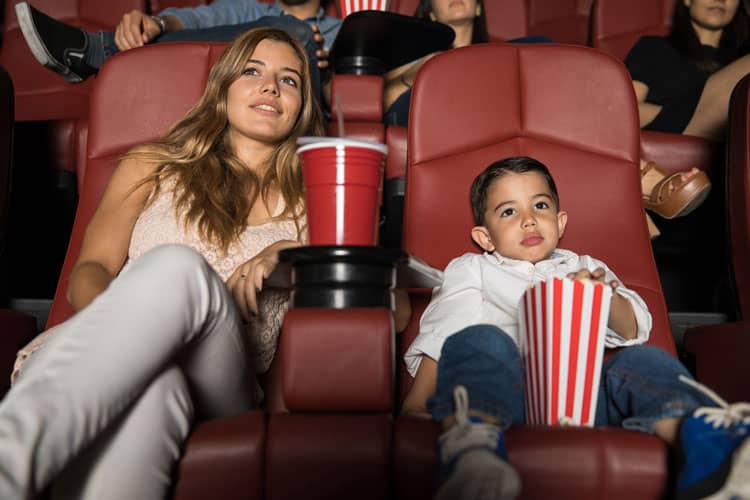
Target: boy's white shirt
{"type": "Point", "coordinates": [486, 289]}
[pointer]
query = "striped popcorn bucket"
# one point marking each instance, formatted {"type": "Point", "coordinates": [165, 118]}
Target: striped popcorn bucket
{"type": "Point", "coordinates": [350, 6]}
{"type": "Point", "coordinates": [562, 328]}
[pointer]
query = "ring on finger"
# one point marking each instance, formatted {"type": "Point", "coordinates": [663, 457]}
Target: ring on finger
{"type": "Point", "coordinates": [243, 276]}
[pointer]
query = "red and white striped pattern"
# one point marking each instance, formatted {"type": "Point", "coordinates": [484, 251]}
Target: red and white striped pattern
{"type": "Point", "coordinates": [563, 325]}
{"type": "Point", "coordinates": [349, 6]}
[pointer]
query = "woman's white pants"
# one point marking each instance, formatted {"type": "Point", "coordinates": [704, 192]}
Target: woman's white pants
{"type": "Point", "coordinates": [102, 409]}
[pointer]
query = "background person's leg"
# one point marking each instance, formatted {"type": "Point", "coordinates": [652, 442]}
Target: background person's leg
{"type": "Point", "coordinates": [710, 116]}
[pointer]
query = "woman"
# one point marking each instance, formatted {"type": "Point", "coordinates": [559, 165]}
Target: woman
{"type": "Point", "coordinates": [468, 20]}
{"type": "Point", "coordinates": [172, 320]}
{"type": "Point", "coordinates": [683, 82]}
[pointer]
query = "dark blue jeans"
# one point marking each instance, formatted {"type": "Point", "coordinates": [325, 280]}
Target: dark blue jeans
{"type": "Point", "coordinates": [103, 47]}
{"type": "Point", "coordinates": [639, 384]}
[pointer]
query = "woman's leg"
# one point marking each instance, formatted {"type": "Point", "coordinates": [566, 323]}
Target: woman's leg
{"type": "Point", "coordinates": [135, 456]}
{"type": "Point", "coordinates": [168, 304]}
{"type": "Point", "coordinates": [710, 117]}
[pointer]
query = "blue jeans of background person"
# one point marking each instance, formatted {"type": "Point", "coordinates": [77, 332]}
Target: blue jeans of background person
{"type": "Point", "coordinates": [639, 384]}
{"type": "Point", "coordinates": [398, 112]}
{"type": "Point", "coordinates": [299, 29]}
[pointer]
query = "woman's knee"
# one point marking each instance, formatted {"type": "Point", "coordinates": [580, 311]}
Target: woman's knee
{"type": "Point", "coordinates": [172, 260]}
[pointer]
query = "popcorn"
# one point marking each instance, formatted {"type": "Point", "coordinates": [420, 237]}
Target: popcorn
{"type": "Point", "coordinates": [563, 324]}
{"type": "Point", "coordinates": [350, 6]}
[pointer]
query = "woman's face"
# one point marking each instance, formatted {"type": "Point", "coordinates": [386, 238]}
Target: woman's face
{"type": "Point", "coordinates": [712, 14]}
{"type": "Point", "coordinates": [452, 11]}
{"type": "Point", "coordinates": [264, 102]}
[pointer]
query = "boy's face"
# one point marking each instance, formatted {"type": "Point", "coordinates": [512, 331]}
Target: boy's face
{"type": "Point", "coordinates": [521, 221]}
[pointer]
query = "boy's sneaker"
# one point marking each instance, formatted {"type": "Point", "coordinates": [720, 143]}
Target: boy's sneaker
{"type": "Point", "coordinates": [715, 450]}
{"type": "Point", "coordinates": [473, 457]}
{"type": "Point", "coordinates": [57, 46]}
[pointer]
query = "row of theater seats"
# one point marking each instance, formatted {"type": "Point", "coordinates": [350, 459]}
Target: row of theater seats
{"type": "Point", "coordinates": [41, 95]}
{"type": "Point", "coordinates": [329, 428]}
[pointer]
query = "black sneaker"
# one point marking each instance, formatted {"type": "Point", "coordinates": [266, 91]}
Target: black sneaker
{"type": "Point", "coordinates": [57, 46]}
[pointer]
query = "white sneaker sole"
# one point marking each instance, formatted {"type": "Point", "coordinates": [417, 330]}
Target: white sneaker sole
{"type": "Point", "coordinates": [737, 485]}
{"type": "Point", "coordinates": [34, 41]}
{"type": "Point", "coordinates": [481, 475]}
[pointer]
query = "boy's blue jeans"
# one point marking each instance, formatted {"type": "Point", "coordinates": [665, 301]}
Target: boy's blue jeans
{"type": "Point", "coordinates": [102, 45]}
{"type": "Point", "coordinates": [639, 384]}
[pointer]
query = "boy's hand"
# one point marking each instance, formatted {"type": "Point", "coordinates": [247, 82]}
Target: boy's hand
{"type": "Point", "coordinates": [597, 275]}
{"type": "Point", "coordinates": [621, 315]}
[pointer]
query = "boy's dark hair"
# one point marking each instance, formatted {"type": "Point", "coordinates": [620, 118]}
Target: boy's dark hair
{"type": "Point", "coordinates": [515, 165]}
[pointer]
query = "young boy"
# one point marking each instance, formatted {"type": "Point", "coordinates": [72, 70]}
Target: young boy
{"type": "Point", "coordinates": [468, 370]}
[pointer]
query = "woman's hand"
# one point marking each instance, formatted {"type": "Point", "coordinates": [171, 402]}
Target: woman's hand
{"type": "Point", "coordinates": [247, 280]}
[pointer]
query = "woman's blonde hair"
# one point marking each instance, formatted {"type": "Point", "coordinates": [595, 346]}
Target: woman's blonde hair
{"type": "Point", "coordinates": [215, 189]}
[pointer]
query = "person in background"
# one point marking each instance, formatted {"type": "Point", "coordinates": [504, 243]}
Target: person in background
{"type": "Point", "coordinates": [683, 81]}
{"type": "Point", "coordinates": [76, 55]}
{"type": "Point", "coordinates": [469, 22]}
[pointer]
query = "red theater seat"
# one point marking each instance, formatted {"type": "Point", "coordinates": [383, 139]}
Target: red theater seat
{"type": "Point", "coordinates": [505, 100]}
{"type": "Point", "coordinates": [43, 96]}
{"type": "Point", "coordinates": [722, 351]}
{"type": "Point", "coordinates": [564, 21]}
{"type": "Point", "coordinates": [17, 328]}
{"type": "Point", "coordinates": [617, 24]}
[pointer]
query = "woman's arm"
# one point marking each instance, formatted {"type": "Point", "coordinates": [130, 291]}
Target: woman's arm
{"type": "Point", "coordinates": [399, 80]}
{"type": "Point", "coordinates": [423, 387]}
{"type": "Point", "coordinates": [107, 238]}
{"type": "Point", "coordinates": [646, 111]}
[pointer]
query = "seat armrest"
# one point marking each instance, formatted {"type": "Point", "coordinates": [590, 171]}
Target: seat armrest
{"type": "Point", "coordinates": [719, 354]}
{"type": "Point", "coordinates": [395, 165]}
{"type": "Point", "coordinates": [337, 359]}
{"type": "Point", "coordinates": [675, 152]}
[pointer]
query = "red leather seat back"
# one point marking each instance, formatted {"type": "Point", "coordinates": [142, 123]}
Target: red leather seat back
{"type": "Point", "coordinates": [361, 98]}
{"type": "Point", "coordinates": [738, 192]}
{"type": "Point", "coordinates": [507, 100]}
{"type": "Point", "coordinates": [127, 110]}
{"type": "Point", "coordinates": [617, 24]}
{"type": "Point", "coordinates": [564, 21]}
{"type": "Point", "coordinates": [405, 7]}
{"type": "Point", "coordinates": [41, 94]}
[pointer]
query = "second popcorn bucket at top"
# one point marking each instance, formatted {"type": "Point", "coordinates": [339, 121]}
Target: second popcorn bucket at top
{"type": "Point", "coordinates": [343, 181]}
{"type": "Point", "coordinates": [563, 324]}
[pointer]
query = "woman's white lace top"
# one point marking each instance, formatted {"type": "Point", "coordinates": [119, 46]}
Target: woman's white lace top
{"type": "Point", "coordinates": [159, 224]}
